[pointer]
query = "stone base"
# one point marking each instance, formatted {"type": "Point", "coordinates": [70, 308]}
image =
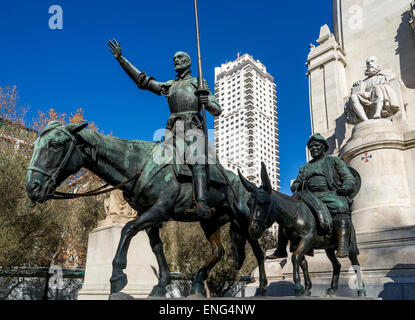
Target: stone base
{"type": "Point", "coordinates": [141, 268]}
{"type": "Point", "coordinates": [121, 296]}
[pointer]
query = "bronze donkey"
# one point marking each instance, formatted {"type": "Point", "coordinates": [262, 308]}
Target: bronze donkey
{"type": "Point", "coordinates": [299, 225]}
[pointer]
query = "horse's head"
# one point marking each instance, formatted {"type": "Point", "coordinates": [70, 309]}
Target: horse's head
{"type": "Point", "coordinates": [55, 157]}
{"type": "Point", "coordinates": [259, 203]}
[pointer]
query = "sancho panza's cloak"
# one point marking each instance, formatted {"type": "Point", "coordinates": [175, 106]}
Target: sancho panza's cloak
{"type": "Point", "coordinates": [322, 179]}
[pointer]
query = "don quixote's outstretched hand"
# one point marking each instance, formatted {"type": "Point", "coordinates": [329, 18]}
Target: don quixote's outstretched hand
{"type": "Point", "coordinates": [115, 48]}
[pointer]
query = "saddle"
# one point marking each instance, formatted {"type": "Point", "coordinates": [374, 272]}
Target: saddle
{"type": "Point", "coordinates": [318, 209]}
{"type": "Point", "coordinates": [159, 159]}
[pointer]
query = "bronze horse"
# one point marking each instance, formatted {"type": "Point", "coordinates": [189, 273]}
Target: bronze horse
{"type": "Point", "coordinates": [299, 226]}
{"type": "Point", "coordinates": [62, 150]}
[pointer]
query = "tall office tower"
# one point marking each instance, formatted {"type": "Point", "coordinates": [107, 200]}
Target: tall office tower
{"type": "Point", "coordinates": [246, 133]}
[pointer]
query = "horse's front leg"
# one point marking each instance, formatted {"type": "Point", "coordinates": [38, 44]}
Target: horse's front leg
{"type": "Point", "coordinates": [307, 280]}
{"type": "Point", "coordinates": [156, 244]}
{"type": "Point", "coordinates": [297, 257]}
{"type": "Point", "coordinates": [152, 217]}
{"type": "Point", "coordinates": [259, 255]}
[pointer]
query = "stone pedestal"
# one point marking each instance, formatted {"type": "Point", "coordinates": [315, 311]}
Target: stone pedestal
{"type": "Point", "coordinates": [379, 150]}
{"type": "Point", "coordinates": [141, 268]}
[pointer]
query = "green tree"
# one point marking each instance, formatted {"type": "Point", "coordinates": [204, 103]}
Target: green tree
{"type": "Point", "coordinates": [54, 232]}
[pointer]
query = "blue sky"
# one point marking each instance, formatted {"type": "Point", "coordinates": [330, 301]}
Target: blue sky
{"type": "Point", "coordinates": [72, 68]}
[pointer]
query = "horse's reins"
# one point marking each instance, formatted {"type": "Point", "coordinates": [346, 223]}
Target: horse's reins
{"type": "Point", "coordinates": [53, 176]}
{"type": "Point", "coordinates": [62, 195]}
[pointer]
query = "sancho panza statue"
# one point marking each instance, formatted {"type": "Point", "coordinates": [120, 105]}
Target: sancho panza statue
{"type": "Point", "coordinates": [324, 184]}
{"type": "Point", "coordinates": [372, 97]}
{"type": "Point", "coordinates": [185, 109]}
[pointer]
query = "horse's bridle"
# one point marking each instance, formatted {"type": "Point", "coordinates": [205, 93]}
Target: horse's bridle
{"type": "Point", "coordinates": [263, 221]}
{"type": "Point", "coordinates": [52, 181]}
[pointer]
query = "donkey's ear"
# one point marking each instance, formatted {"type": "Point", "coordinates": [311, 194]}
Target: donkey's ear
{"type": "Point", "coordinates": [265, 179]}
{"type": "Point", "coordinates": [76, 127]}
{"type": "Point", "coordinates": [249, 186]}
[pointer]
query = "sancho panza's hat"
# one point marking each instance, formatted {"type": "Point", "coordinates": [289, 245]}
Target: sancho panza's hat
{"type": "Point", "coordinates": [318, 137]}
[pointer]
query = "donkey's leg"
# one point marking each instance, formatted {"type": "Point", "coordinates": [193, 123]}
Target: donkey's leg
{"type": "Point", "coordinates": [259, 255]}
{"type": "Point", "coordinates": [217, 254]}
{"type": "Point", "coordinates": [307, 280]}
{"type": "Point", "coordinates": [297, 257]}
{"type": "Point", "coordinates": [156, 244]}
{"type": "Point", "coordinates": [152, 217]}
{"type": "Point", "coordinates": [361, 292]}
{"type": "Point", "coordinates": [331, 254]}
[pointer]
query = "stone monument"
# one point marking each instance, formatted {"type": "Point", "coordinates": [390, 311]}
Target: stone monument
{"type": "Point", "coordinates": [142, 267]}
{"type": "Point", "coordinates": [369, 120]}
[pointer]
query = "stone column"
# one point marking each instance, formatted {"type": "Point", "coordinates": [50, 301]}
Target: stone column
{"type": "Point", "coordinates": [327, 85]}
{"type": "Point", "coordinates": [142, 268]}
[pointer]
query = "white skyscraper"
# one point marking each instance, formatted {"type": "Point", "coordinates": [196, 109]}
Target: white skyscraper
{"type": "Point", "coordinates": [246, 133]}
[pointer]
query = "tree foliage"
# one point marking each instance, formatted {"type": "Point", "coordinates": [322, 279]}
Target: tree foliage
{"type": "Point", "coordinates": [54, 232]}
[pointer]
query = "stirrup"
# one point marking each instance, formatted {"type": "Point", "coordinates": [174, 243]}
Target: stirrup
{"type": "Point", "coordinates": [200, 211]}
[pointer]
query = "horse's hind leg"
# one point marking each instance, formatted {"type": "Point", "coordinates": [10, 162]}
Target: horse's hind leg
{"type": "Point", "coordinates": [332, 291]}
{"type": "Point", "coordinates": [152, 217]}
{"type": "Point", "coordinates": [356, 267]}
{"type": "Point", "coordinates": [307, 280]}
{"type": "Point", "coordinates": [203, 272]}
{"type": "Point", "coordinates": [156, 244]}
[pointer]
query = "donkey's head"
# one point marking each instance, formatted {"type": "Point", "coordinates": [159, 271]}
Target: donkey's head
{"type": "Point", "coordinates": [259, 203]}
{"type": "Point", "coordinates": [55, 157]}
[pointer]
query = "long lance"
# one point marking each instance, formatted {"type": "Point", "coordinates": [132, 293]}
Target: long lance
{"type": "Point", "coordinates": [202, 91]}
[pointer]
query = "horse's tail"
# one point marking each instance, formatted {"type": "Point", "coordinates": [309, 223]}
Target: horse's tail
{"type": "Point", "coordinates": [238, 245]}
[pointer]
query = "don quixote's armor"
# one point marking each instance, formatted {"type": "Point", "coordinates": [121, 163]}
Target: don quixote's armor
{"type": "Point", "coordinates": [185, 107]}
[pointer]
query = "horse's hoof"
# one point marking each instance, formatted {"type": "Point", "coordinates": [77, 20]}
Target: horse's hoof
{"type": "Point", "coordinates": [120, 296]}
{"type": "Point", "coordinates": [118, 282]}
{"type": "Point", "coordinates": [158, 291]}
{"type": "Point", "coordinates": [361, 293]}
{"type": "Point", "coordinates": [198, 289]}
{"type": "Point", "coordinates": [331, 292]}
{"type": "Point", "coordinates": [260, 292]}
{"type": "Point", "coordinates": [196, 296]}
{"type": "Point", "coordinates": [299, 292]}
{"type": "Point", "coordinates": [307, 292]}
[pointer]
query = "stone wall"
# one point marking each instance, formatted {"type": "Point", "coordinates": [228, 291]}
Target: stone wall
{"type": "Point", "coordinates": [30, 284]}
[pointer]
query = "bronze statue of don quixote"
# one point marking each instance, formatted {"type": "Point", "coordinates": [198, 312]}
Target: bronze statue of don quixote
{"type": "Point", "coordinates": [180, 180]}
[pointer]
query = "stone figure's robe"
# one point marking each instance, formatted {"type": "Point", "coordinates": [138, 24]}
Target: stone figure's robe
{"type": "Point", "coordinates": [376, 89]}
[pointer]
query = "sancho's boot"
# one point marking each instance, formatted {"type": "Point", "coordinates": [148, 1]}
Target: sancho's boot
{"type": "Point", "coordinates": [342, 229]}
{"type": "Point", "coordinates": [200, 187]}
{"type": "Point", "coordinates": [281, 251]}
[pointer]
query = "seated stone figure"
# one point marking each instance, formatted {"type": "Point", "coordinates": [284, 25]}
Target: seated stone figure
{"type": "Point", "coordinates": [373, 97]}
